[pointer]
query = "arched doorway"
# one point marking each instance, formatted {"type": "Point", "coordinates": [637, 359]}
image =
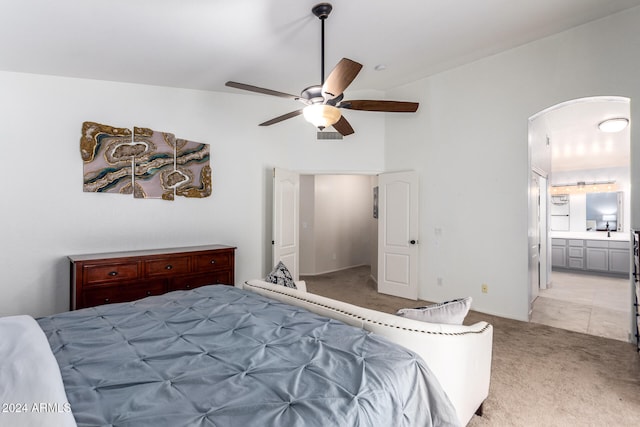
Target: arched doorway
{"type": "Point", "coordinates": [586, 266]}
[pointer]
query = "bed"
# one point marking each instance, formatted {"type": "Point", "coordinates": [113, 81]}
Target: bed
{"type": "Point", "coordinates": [223, 356]}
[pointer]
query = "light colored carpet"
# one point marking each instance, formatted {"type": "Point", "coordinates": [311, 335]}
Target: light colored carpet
{"type": "Point", "coordinates": [541, 376]}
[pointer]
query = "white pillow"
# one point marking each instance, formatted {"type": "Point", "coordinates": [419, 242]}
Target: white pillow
{"type": "Point", "coordinates": [280, 275]}
{"type": "Point", "coordinates": [450, 312]}
{"type": "Point", "coordinates": [301, 285]}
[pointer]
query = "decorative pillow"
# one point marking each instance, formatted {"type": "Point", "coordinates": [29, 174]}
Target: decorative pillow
{"type": "Point", "coordinates": [450, 312]}
{"type": "Point", "coordinates": [281, 276]}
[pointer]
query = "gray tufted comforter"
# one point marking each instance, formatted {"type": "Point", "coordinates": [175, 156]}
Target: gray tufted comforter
{"type": "Point", "coordinates": [220, 356]}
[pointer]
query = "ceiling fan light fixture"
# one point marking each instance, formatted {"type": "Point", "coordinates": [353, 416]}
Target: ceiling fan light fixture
{"type": "Point", "coordinates": [321, 115]}
{"type": "Point", "coordinates": [613, 125]}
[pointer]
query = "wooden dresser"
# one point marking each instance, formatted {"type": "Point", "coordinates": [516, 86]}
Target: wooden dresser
{"type": "Point", "coordinates": [126, 276]}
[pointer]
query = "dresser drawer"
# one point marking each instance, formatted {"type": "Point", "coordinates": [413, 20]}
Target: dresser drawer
{"type": "Point", "coordinates": [115, 272]}
{"type": "Point", "coordinates": [121, 293]}
{"type": "Point", "coordinates": [166, 266]}
{"type": "Point", "coordinates": [195, 281]}
{"type": "Point", "coordinates": [212, 261]}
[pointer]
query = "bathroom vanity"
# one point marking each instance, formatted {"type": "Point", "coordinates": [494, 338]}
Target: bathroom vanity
{"type": "Point", "coordinates": [591, 252]}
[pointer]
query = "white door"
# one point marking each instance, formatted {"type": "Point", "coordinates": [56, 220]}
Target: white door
{"type": "Point", "coordinates": [398, 234]}
{"type": "Point", "coordinates": [545, 241]}
{"type": "Point", "coordinates": [534, 238]}
{"type": "Point", "coordinates": [286, 220]}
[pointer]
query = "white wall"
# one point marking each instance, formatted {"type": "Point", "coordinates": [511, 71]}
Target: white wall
{"type": "Point", "coordinates": [307, 225]}
{"type": "Point", "coordinates": [469, 146]}
{"type": "Point", "coordinates": [46, 216]}
{"type": "Point", "coordinates": [335, 222]}
{"type": "Point", "coordinates": [468, 143]}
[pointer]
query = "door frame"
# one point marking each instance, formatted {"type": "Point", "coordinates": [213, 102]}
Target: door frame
{"type": "Point", "coordinates": [531, 154]}
{"type": "Point", "coordinates": [361, 173]}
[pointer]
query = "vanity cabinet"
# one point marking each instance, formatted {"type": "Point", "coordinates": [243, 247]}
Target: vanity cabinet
{"type": "Point", "coordinates": [597, 259]}
{"type": "Point", "coordinates": [576, 254]}
{"type": "Point", "coordinates": [558, 253]}
{"type": "Point", "coordinates": [604, 256]}
{"type": "Point", "coordinates": [108, 278]}
{"type": "Point", "coordinates": [619, 257]}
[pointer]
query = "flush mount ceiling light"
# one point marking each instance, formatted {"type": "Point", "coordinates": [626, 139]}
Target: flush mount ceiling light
{"type": "Point", "coordinates": [613, 125]}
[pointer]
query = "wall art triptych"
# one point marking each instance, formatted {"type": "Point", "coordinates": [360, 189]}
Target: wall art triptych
{"type": "Point", "coordinates": [146, 163]}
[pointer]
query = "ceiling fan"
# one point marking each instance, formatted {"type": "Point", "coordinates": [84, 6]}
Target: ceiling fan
{"type": "Point", "coordinates": [323, 102]}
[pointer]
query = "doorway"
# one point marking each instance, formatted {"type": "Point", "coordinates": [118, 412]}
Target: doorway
{"type": "Point", "coordinates": [582, 160]}
{"type": "Point", "coordinates": [338, 230]}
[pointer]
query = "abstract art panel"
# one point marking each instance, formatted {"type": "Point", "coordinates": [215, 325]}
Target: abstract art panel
{"type": "Point", "coordinates": [147, 163]}
{"type": "Point", "coordinates": [107, 156]}
{"type": "Point", "coordinates": [192, 163]}
{"type": "Point", "coordinates": [152, 165]}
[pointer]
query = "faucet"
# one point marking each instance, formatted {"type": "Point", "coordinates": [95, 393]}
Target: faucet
{"type": "Point", "coordinates": [608, 231]}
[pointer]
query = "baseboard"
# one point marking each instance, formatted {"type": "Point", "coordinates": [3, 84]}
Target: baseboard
{"type": "Point", "coordinates": [333, 271]}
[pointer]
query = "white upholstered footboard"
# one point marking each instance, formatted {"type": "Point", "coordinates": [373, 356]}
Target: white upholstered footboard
{"type": "Point", "coordinates": [459, 356]}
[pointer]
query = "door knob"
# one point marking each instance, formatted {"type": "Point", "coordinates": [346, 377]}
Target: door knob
{"type": "Point", "coordinates": [413, 242]}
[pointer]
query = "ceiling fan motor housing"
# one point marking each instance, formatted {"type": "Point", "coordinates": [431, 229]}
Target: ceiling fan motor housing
{"type": "Point", "coordinates": [313, 94]}
{"type": "Point", "coordinates": [322, 10]}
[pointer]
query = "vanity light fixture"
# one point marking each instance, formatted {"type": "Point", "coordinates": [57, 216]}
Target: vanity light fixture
{"type": "Point", "coordinates": [613, 125]}
{"type": "Point", "coordinates": [584, 187]}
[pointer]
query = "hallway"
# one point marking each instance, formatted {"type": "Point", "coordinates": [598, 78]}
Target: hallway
{"type": "Point", "coordinates": [591, 304]}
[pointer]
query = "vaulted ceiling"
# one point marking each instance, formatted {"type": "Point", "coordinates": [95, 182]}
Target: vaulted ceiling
{"type": "Point", "coordinates": [201, 44]}
{"type": "Point", "coordinates": [576, 141]}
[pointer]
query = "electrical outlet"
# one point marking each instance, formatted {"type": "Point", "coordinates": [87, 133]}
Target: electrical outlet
{"type": "Point", "coordinates": [485, 288]}
{"type": "Point", "coordinates": [439, 281]}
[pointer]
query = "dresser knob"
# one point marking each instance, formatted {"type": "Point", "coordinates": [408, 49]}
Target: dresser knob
{"type": "Point", "coordinates": [169, 267]}
{"type": "Point", "coordinates": [213, 261]}
{"type": "Point", "coordinates": [113, 273]}
{"type": "Point", "coordinates": [106, 300]}
{"type": "Point", "coordinates": [148, 293]}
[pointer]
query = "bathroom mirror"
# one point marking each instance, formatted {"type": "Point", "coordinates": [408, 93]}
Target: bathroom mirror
{"type": "Point", "coordinates": [603, 211]}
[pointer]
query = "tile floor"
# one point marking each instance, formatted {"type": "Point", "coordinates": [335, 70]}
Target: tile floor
{"type": "Point", "coordinates": [595, 305]}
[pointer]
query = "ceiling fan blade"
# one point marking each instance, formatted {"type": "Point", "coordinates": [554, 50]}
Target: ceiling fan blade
{"type": "Point", "coordinates": [261, 90]}
{"type": "Point", "coordinates": [340, 77]}
{"type": "Point", "coordinates": [384, 106]}
{"type": "Point", "coordinates": [343, 127]}
{"type": "Point", "coordinates": [281, 118]}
